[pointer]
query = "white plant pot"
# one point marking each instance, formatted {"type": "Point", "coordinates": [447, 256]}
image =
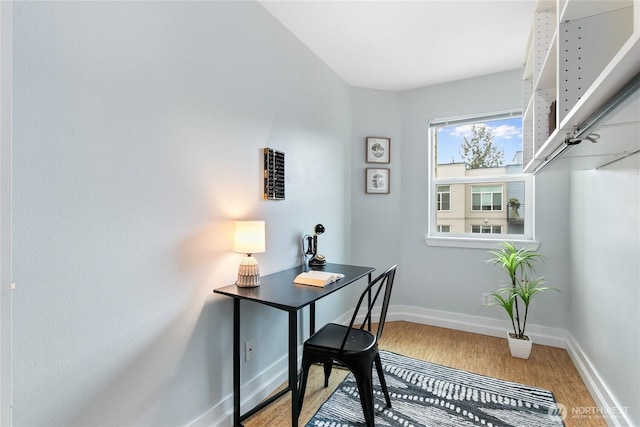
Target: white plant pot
{"type": "Point", "coordinates": [519, 347]}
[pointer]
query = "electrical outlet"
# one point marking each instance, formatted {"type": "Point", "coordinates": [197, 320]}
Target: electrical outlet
{"type": "Point", "coordinates": [486, 299]}
{"type": "Point", "coordinates": [249, 349]}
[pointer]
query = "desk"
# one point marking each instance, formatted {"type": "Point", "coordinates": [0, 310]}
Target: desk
{"type": "Point", "coordinates": [278, 290]}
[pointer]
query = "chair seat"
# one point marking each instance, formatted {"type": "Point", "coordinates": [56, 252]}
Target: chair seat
{"type": "Point", "coordinates": [330, 336]}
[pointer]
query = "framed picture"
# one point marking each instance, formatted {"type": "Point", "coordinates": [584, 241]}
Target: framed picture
{"type": "Point", "coordinates": [377, 181]}
{"type": "Point", "coordinates": [378, 150]}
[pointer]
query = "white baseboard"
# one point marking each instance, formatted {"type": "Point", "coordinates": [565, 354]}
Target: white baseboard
{"type": "Point", "coordinates": [480, 325]}
{"type": "Point", "coordinates": [614, 414]}
{"type": "Point", "coordinates": [272, 377]}
{"type": "Point", "coordinates": [253, 392]}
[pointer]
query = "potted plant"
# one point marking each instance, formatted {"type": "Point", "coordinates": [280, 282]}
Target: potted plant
{"type": "Point", "coordinates": [516, 297]}
{"type": "Point", "coordinates": [514, 204]}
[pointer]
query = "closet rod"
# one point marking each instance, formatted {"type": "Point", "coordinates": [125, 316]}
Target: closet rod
{"type": "Point", "coordinates": [582, 131]}
{"type": "Point", "coordinates": [614, 102]}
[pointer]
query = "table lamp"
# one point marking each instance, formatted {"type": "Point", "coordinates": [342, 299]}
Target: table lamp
{"type": "Point", "coordinates": [249, 238]}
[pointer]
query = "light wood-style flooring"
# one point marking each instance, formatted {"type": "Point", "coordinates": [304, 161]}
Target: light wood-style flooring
{"type": "Point", "coordinates": [548, 367]}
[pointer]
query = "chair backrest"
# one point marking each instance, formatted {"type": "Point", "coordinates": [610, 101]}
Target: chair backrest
{"type": "Point", "coordinates": [374, 289]}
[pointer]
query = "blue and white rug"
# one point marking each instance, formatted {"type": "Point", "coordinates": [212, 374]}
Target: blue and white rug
{"type": "Point", "coordinates": [426, 394]}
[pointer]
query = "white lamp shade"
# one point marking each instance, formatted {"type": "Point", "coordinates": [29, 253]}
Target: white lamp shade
{"type": "Point", "coordinates": [249, 237]}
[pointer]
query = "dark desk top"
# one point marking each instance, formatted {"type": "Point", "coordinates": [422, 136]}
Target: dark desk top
{"type": "Point", "coordinates": [278, 289]}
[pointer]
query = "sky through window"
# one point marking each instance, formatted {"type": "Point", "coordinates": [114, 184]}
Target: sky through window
{"type": "Point", "coordinates": [507, 137]}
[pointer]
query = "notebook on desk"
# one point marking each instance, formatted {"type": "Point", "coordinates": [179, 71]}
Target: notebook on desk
{"type": "Point", "coordinates": [317, 278]}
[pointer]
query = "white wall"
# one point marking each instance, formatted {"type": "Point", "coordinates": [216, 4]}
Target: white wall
{"type": "Point", "coordinates": [138, 129]}
{"type": "Point", "coordinates": [376, 218]}
{"type": "Point", "coordinates": [436, 278]}
{"type": "Point", "coordinates": [605, 236]}
{"type": "Point", "coordinates": [5, 212]}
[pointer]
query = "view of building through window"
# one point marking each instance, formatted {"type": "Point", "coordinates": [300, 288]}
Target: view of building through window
{"type": "Point", "coordinates": [478, 177]}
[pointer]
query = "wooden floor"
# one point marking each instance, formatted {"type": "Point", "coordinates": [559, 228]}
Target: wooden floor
{"type": "Point", "coordinates": [548, 367]}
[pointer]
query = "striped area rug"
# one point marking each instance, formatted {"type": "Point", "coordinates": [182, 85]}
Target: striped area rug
{"type": "Point", "coordinates": [426, 394]}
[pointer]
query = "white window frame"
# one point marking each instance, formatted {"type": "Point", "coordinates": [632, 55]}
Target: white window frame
{"type": "Point", "coordinates": [477, 240]}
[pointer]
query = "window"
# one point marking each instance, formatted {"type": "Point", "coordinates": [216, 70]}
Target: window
{"type": "Point", "coordinates": [486, 229]}
{"type": "Point", "coordinates": [478, 190]}
{"type": "Point", "coordinates": [486, 197]}
{"type": "Point", "coordinates": [444, 198]}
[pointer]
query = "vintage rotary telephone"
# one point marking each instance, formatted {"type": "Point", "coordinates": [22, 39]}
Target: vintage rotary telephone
{"type": "Point", "coordinates": [311, 251]}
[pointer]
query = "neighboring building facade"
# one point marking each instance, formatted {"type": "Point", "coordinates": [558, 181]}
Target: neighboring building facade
{"type": "Point", "coordinates": [487, 207]}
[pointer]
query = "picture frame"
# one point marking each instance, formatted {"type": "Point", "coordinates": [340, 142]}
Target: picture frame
{"type": "Point", "coordinates": [377, 180]}
{"type": "Point", "coordinates": [378, 149]}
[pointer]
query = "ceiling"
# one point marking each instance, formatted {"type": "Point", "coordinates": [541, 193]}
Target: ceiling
{"type": "Point", "coordinates": [400, 45]}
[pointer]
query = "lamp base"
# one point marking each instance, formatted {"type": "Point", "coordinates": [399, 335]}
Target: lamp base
{"type": "Point", "coordinates": [248, 273]}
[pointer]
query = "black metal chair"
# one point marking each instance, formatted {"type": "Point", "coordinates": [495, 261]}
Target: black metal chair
{"type": "Point", "coordinates": [353, 347]}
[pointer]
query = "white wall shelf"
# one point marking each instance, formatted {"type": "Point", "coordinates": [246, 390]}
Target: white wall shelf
{"type": "Point", "coordinates": [580, 55]}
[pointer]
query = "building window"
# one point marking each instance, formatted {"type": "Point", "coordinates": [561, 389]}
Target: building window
{"type": "Point", "coordinates": [486, 229]}
{"type": "Point", "coordinates": [476, 181]}
{"type": "Point", "coordinates": [444, 197]}
{"type": "Point", "coordinates": [486, 197]}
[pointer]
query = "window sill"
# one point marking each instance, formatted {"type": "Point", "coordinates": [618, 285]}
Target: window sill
{"type": "Point", "coordinates": [474, 243]}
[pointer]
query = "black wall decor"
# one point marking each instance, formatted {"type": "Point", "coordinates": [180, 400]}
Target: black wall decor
{"type": "Point", "coordinates": [273, 174]}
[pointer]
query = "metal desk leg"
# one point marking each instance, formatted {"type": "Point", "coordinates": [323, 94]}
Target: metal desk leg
{"type": "Point", "coordinates": [369, 302]}
{"type": "Point", "coordinates": [236, 362]}
{"type": "Point", "coordinates": [293, 366]}
{"type": "Point", "coordinates": [312, 318]}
